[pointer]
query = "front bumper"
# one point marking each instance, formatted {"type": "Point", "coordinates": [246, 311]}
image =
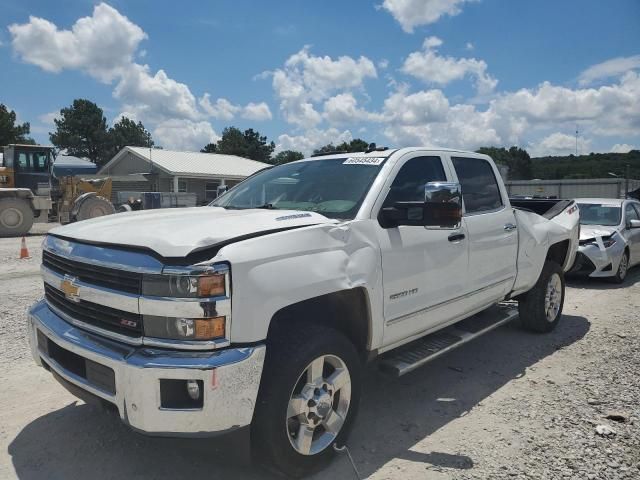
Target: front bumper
{"type": "Point", "coordinates": [594, 261]}
{"type": "Point", "coordinates": [230, 377]}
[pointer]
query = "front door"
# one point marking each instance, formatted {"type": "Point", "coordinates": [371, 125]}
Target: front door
{"type": "Point", "coordinates": [423, 269]}
{"type": "Point", "coordinates": [491, 229]}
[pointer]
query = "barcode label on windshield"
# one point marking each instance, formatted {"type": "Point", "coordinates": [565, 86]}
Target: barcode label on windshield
{"type": "Point", "coordinates": [364, 161]}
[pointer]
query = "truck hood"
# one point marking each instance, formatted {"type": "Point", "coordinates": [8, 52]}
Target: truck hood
{"type": "Point", "coordinates": [177, 232]}
{"type": "Point", "coordinates": [588, 232]}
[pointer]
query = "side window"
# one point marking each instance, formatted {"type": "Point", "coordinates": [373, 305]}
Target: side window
{"type": "Point", "coordinates": [23, 161]}
{"type": "Point", "coordinates": [480, 190]}
{"type": "Point", "coordinates": [409, 183]}
{"type": "Point", "coordinates": [630, 213]}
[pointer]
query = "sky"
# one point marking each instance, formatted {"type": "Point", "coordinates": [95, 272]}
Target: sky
{"type": "Point", "coordinates": [449, 73]}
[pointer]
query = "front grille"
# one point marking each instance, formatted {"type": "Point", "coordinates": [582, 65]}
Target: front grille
{"type": "Point", "coordinates": [130, 282]}
{"type": "Point", "coordinates": [94, 373]}
{"type": "Point", "coordinates": [107, 318]}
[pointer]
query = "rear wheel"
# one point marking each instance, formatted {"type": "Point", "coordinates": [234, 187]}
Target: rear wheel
{"type": "Point", "coordinates": [623, 268]}
{"type": "Point", "coordinates": [16, 217]}
{"type": "Point", "coordinates": [308, 399]}
{"type": "Point", "coordinates": [541, 307]}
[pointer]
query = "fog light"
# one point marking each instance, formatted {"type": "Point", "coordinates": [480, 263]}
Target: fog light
{"type": "Point", "coordinates": [193, 389]}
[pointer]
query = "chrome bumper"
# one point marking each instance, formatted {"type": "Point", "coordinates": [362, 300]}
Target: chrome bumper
{"type": "Point", "coordinates": [230, 377]}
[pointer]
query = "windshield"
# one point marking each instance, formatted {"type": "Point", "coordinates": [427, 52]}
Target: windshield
{"type": "Point", "coordinates": [335, 188]}
{"type": "Point", "coordinates": [599, 214]}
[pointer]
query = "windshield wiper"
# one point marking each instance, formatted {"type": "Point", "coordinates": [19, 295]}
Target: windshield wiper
{"type": "Point", "coordinates": [267, 206]}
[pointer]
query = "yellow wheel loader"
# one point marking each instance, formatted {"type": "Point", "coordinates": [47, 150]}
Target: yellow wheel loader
{"type": "Point", "coordinates": [30, 192]}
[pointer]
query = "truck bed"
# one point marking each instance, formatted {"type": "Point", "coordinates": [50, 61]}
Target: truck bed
{"type": "Point", "coordinates": [546, 207]}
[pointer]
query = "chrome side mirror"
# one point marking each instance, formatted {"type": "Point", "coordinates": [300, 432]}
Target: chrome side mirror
{"type": "Point", "coordinates": [441, 208]}
{"type": "Point", "coordinates": [634, 224]}
{"type": "Point", "coordinates": [442, 205]}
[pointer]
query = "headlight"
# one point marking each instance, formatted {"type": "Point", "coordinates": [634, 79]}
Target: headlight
{"type": "Point", "coordinates": [608, 242]}
{"type": "Point", "coordinates": [184, 328]}
{"type": "Point", "coordinates": [184, 286]}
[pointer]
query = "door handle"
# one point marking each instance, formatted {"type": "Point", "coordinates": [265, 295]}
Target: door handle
{"type": "Point", "coordinates": [456, 237]}
{"type": "Point", "coordinates": [509, 227]}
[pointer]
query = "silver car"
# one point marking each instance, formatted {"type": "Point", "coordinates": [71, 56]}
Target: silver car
{"type": "Point", "coordinates": [609, 238]}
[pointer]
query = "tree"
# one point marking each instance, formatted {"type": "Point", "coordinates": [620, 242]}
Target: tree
{"type": "Point", "coordinates": [9, 131]}
{"type": "Point", "coordinates": [287, 156]}
{"type": "Point", "coordinates": [516, 159]}
{"type": "Point", "coordinates": [82, 131]}
{"type": "Point", "coordinates": [355, 145]}
{"type": "Point", "coordinates": [247, 144]}
{"type": "Point", "coordinates": [209, 148]}
{"type": "Point", "coordinates": [125, 133]}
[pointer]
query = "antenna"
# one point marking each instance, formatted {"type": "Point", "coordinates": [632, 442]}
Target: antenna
{"type": "Point", "coordinates": [576, 139]}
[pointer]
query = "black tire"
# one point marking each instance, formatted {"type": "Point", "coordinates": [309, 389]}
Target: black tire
{"type": "Point", "coordinates": [289, 352]}
{"type": "Point", "coordinates": [93, 207]}
{"type": "Point", "coordinates": [621, 274]}
{"type": "Point", "coordinates": [16, 217]}
{"type": "Point", "coordinates": [532, 306]}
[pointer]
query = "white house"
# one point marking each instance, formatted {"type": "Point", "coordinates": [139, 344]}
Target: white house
{"type": "Point", "coordinates": [170, 170]}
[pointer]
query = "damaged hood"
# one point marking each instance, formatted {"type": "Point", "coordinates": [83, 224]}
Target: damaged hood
{"type": "Point", "coordinates": [588, 232]}
{"type": "Point", "coordinates": [176, 232]}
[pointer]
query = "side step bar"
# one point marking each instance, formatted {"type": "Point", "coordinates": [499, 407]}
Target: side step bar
{"type": "Point", "coordinates": [415, 354]}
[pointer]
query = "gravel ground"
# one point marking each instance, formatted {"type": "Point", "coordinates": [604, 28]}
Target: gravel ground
{"type": "Point", "coordinates": [508, 405]}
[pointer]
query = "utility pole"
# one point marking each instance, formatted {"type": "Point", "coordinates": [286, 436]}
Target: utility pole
{"type": "Point", "coordinates": [576, 139]}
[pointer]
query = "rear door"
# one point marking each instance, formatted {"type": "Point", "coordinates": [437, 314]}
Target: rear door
{"type": "Point", "coordinates": [423, 269]}
{"type": "Point", "coordinates": [491, 230]}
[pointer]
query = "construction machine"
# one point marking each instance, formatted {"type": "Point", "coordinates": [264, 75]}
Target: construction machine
{"type": "Point", "coordinates": [29, 191]}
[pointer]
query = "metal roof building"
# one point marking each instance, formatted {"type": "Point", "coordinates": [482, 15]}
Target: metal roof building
{"type": "Point", "coordinates": [177, 171]}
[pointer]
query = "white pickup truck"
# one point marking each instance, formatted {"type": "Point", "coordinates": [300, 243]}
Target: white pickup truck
{"type": "Point", "coordinates": [262, 308]}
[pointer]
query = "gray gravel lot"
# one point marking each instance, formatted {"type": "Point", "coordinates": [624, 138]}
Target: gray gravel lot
{"type": "Point", "coordinates": [509, 405]}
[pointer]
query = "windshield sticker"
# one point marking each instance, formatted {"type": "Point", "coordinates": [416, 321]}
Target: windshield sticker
{"type": "Point", "coordinates": [364, 161]}
{"type": "Point", "coordinates": [292, 217]}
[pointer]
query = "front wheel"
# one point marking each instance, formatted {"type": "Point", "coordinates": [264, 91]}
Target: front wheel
{"type": "Point", "coordinates": [308, 399]}
{"type": "Point", "coordinates": [623, 267]}
{"type": "Point", "coordinates": [541, 307]}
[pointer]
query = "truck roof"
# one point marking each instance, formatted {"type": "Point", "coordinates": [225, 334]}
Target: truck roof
{"type": "Point", "coordinates": [389, 152]}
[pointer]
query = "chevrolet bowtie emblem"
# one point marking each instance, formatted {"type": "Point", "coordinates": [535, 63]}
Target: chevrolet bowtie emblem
{"type": "Point", "coordinates": [70, 289]}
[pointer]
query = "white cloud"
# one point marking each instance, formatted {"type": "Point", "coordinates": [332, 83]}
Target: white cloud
{"type": "Point", "coordinates": [383, 64]}
{"type": "Point", "coordinates": [560, 144]}
{"type": "Point", "coordinates": [184, 134]}
{"type": "Point", "coordinates": [48, 118]}
{"type": "Point", "coordinates": [622, 148]}
{"type": "Point", "coordinates": [312, 139]}
{"type": "Point", "coordinates": [432, 68]}
{"type": "Point", "coordinates": [306, 79]}
{"type": "Point", "coordinates": [102, 45]}
{"type": "Point", "coordinates": [418, 108]}
{"type": "Point", "coordinates": [222, 108]}
{"type": "Point", "coordinates": [608, 110]}
{"type": "Point", "coordinates": [614, 67]}
{"type": "Point", "coordinates": [469, 46]}
{"type": "Point", "coordinates": [257, 111]}
{"type": "Point", "coordinates": [343, 108]}
{"type": "Point", "coordinates": [413, 13]}
{"type": "Point", "coordinates": [155, 97]}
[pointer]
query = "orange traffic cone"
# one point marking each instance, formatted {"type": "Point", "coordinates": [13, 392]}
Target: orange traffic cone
{"type": "Point", "coordinates": [24, 251]}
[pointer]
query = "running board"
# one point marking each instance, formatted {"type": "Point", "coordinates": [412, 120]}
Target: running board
{"type": "Point", "coordinates": [415, 354]}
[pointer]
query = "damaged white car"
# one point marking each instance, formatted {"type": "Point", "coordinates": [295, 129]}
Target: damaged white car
{"type": "Point", "coordinates": [263, 308]}
{"type": "Point", "coordinates": [609, 238]}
